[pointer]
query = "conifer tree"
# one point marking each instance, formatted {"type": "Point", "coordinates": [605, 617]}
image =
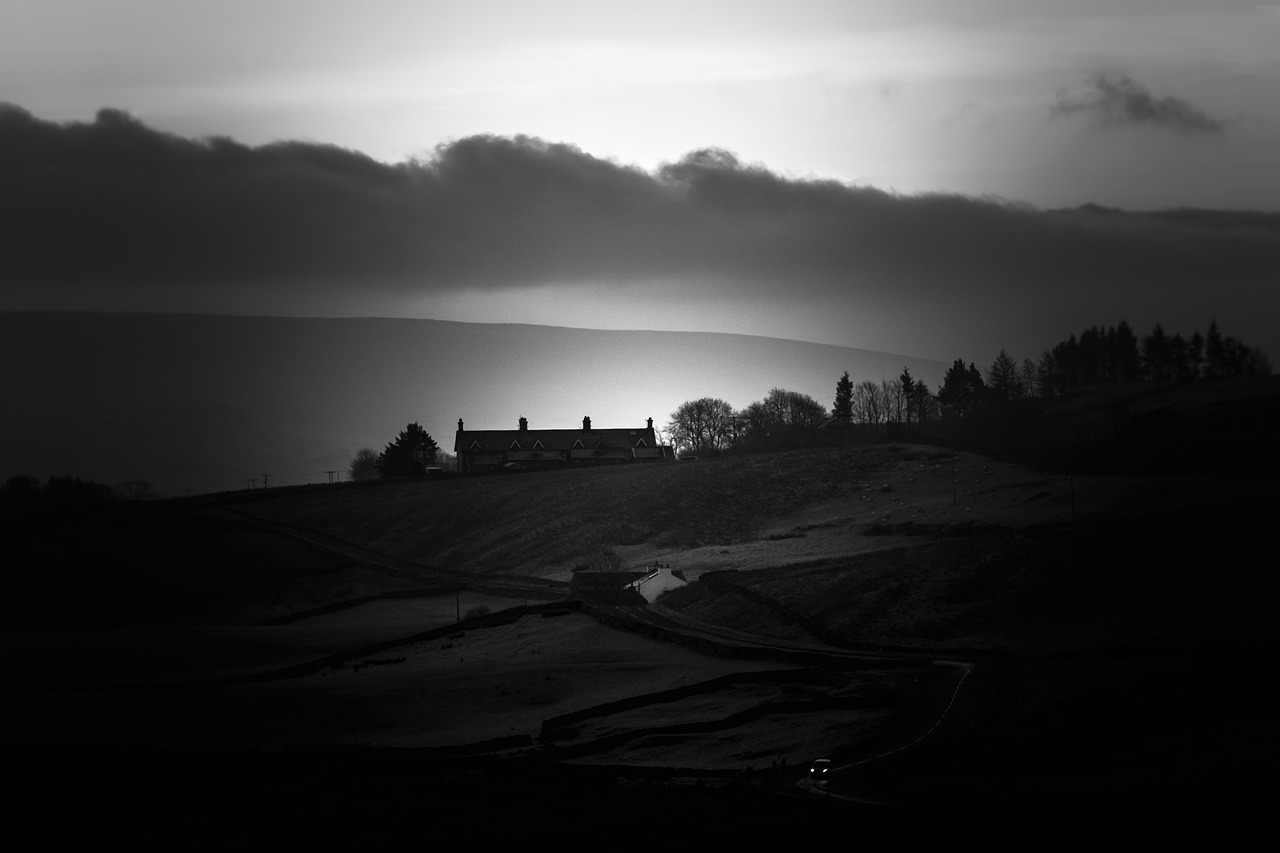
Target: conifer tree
{"type": "Point", "coordinates": [842, 409]}
{"type": "Point", "coordinates": [409, 455]}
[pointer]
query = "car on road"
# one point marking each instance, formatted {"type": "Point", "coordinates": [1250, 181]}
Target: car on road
{"type": "Point", "coordinates": [818, 771]}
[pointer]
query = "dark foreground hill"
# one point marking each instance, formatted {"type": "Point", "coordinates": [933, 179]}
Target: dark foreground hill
{"type": "Point", "coordinates": [1133, 618]}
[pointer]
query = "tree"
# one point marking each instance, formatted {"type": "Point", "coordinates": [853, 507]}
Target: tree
{"type": "Point", "coordinates": [1157, 354]}
{"type": "Point", "coordinates": [702, 425]}
{"type": "Point", "coordinates": [908, 384]}
{"type": "Point", "coordinates": [962, 390]}
{"type": "Point", "coordinates": [1004, 378]}
{"type": "Point", "coordinates": [842, 410]}
{"type": "Point", "coordinates": [134, 490]}
{"type": "Point", "coordinates": [364, 465]}
{"type": "Point", "coordinates": [1214, 352]}
{"type": "Point", "coordinates": [892, 399]}
{"type": "Point", "coordinates": [868, 403]}
{"type": "Point", "coordinates": [1125, 353]}
{"type": "Point", "coordinates": [783, 419]}
{"type": "Point", "coordinates": [1195, 356]}
{"type": "Point", "coordinates": [409, 455]}
{"type": "Point", "coordinates": [1047, 375]}
{"type": "Point", "coordinates": [20, 494]}
{"type": "Point", "coordinates": [1028, 377]}
{"type": "Point", "coordinates": [923, 402]}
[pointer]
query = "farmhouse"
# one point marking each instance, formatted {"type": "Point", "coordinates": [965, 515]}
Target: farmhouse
{"type": "Point", "coordinates": [481, 450]}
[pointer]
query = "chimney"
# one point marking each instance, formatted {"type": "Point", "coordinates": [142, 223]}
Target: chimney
{"type": "Point", "coordinates": [586, 423]}
{"type": "Point", "coordinates": [649, 423]}
{"type": "Point", "coordinates": [524, 424]}
{"type": "Point", "coordinates": [459, 424]}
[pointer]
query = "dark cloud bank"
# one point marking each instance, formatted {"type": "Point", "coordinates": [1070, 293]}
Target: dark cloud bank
{"type": "Point", "coordinates": [113, 201]}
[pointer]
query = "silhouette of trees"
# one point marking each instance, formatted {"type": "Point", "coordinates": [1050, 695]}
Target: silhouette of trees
{"type": "Point", "coordinates": [22, 494]}
{"type": "Point", "coordinates": [1227, 356]}
{"type": "Point", "coordinates": [924, 403]}
{"type": "Point", "coordinates": [364, 465]}
{"type": "Point", "coordinates": [134, 490]}
{"type": "Point", "coordinates": [409, 455]}
{"type": "Point", "coordinates": [1005, 378]}
{"type": "Point", "coordinates": [907, 386]}
{"type": "Point", "coordinates": [868, 403]}
{"type": "Point", "coordinates": [842, 409]}
{"type": "Point", "coordinates": [1117, 355]}
{"type": "Point", "coordinates": [892, 400]}
{"type": "Point", "coordinates": [962, 391]}
{"type": "Point", "coordinates": [702, 425]}
{"type": "Point", "coordinates": [1098, 356]}
{"type": "Point", "coordinates": [782, 419]}
{"type": "Point", "coordinates": [1046, 384]}
{"type": "Point", "coordinates": [1027, 374]}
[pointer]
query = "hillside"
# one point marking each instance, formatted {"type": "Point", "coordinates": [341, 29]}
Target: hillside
{"type": "Point", "coordinates": [1121, 617]}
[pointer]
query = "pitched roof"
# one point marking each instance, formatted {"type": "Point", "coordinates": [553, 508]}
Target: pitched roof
{"type": "Point", "coordinates": [552, 439]}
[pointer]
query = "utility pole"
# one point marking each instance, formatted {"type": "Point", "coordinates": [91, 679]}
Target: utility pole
{"type": "Point", "coordinates": [1071, 480]}
{"type": "Point", "coordinates": [954, 476]}
{"type": "Point", "coordinates": [264, 480]}
{"type": "Point", "coordinates": [253, 482]}
{"type": "Point", "coordinates": [331, 473]}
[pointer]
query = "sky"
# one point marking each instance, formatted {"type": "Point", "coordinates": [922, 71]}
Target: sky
{"type": "Point", "coordinates": [936, 179]}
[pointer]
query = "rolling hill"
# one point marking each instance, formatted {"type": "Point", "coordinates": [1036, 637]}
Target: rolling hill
{"type": "Point", "coordinates": [197, 404]}
{"type": "Point", "coordinates": [1129, 613]}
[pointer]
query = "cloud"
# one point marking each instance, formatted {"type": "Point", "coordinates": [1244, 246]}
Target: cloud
{"type": "Point", "coordinates": [1121, 101]}
{"type": "Point", "coordinates": [113, 204]}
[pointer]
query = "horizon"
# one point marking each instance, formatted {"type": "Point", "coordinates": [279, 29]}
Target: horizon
{"type": "Point", "coordinates": [118, 397]}
{"type": "Point", "coordinates": [923, 180]}
{"type": "Point", "coordinates": [126, 396]}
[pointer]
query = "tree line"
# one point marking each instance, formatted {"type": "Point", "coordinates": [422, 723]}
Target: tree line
{"type": "Point", "coordinates": [22, 494]}
{"type": "Point", "coordinates": [1101, 356]}
{"type": "Point", "coordinates": [1098, 356]}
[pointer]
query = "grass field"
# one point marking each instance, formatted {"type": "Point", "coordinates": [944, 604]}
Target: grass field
{"type": "Point", "coordinates": [1134, 613]}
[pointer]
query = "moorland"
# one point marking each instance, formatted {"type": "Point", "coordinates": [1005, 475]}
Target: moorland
{"type": "Point", "coordinates": [999, 649]}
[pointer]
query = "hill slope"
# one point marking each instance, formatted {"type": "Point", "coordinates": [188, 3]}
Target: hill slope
{"type": "Point", "coordinates": [1129, 615]}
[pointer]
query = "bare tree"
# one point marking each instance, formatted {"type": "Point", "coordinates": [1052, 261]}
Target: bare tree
{"type": "Point", "coordinates": [364, 465]}
{"type": "Point", "coordinates": [1028, 377]}
{"type": "Point", "coordinates": [702, 425]}
{"type": "Point", "coordinates": [783, 419]}
{"type": "Point", "coordinates": [868, 403]}
{"type": "Point", "coordinates": [893, 399]}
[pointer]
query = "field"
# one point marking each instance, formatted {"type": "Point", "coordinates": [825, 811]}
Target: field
{"type": "Point", "coordinates": [297, 639]}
